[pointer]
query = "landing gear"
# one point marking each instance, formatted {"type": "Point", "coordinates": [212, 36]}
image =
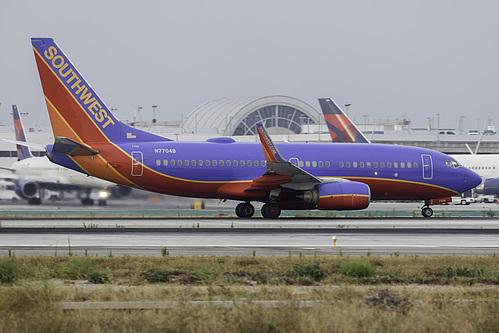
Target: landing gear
{"type": "Point", "coordinates": [271, 211]}
{"type": "Point", "coordinates": [426, 211]}
{"type": "Point", "coordinates": [245, 210]}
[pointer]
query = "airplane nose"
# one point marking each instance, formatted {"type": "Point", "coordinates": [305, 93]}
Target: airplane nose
{"type": "Point", "coordinates": [472, 179]}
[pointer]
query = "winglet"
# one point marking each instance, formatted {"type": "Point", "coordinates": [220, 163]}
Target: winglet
{"type": "Point", "coordinates": [340, 126]}
{"type": "Point", "coordinates": [269, 149]}
{"type": "Point", "coordinates": [23, 152]}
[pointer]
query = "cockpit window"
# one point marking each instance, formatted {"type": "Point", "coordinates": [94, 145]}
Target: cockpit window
{"type": "Point", "coordinates": [453, 164]}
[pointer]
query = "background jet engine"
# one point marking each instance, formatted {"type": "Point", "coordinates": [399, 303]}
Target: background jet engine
{"type": "Point", "coordinates": [489, 187]}
{"type": "Point", "coordinates": [121, 191]}
{"type": "Point", "coordinates": [27, 189]}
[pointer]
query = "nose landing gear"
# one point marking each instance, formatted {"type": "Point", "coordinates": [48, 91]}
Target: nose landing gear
{"type": "Point", "coordinates": [426, 211]}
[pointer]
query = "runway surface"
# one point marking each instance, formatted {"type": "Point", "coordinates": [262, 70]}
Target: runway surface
{"type": "Point", "coordinates": [230, 236]}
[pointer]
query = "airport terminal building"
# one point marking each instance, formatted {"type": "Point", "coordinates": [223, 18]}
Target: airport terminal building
{"type": "Point", "coordinates": [237, 116]}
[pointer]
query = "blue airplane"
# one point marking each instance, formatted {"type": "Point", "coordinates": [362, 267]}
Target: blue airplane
{"type": "Point", "coordinates": [91, 140]}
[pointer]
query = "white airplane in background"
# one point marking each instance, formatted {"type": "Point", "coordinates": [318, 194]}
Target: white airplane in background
{"type": "Point", "coordinates": [32, 175]}
{"type": "Point", "coordinates": [485, 165]}
{"type": "Point", "coordinates": [342, 129]}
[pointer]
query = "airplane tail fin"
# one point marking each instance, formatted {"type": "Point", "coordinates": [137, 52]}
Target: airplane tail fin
{"type": "Point", "coordinates": [22, 151]}
{"type": "Point", "coordinates": [340, 126]}
{"type": "Point", "coordinates": [76, 111]}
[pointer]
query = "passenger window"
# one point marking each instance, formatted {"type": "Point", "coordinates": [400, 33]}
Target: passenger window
{"type": "Point", "coordinates": [388, 164]}
{"type": "Point", "coordinates": [221, 163]}
{"type": "Point", "coordinates": [248, 163]}
{"type": "Point", "coordinates": [201, 163]}
{"type": "Point", "coordinates": [165, 162]}
{"type": "Point", "coordinates": [172, 162]}
{"type": "Point", "coordinates": [255, 163]}
{"type": "Point", "coordinates": [263, 163]}
{"type": "Point", "coordinates": [368, 164]}
{"type": "Point", "coordinates": [402, 165]}
{"type": "Point", "coordinates": [409, 165]}
{"type": "Point", "coordinates": [301, 164]}
{"type": "Point", "coordinates": [415, 165]}
{"type": "Point", "coordinates": [242, 163]}
{"type": "Point", "coordinates": [342, 165]}
{"type": "Point", "coordinates": [328, 164]}
{"type": "Point", "coordinates": [314, 164]}
{"type": "Point", "coordinates": [395, 165]}
{"type": "Point", "coordinates": [307, 164]}
{"type": "Point", "coordinates": [375, 164]}
{"type": "Point", "coordinates": [179, 162]}
{"type": "Point", "coordinates": [158, 162]}
{"type": "Point", "coordinates": [214, 163]}
{"type": "Point", "coordinates": [193, 162]}
{"type": "Point", "coordinates": [321, 164]}
{"type": "Point", "coordinates": [235, 163]}
{"type": "Point", "coordinates": [186, 162]}
{"type": "Point", "coordinates": [354, 164]}
{"type": "Point", "coordinates": [361, 164]}
{"type": "Point", "coordinates": [228, 163]}
{"type": "Point", "coordinates": [348, 164]}
{"type": "Point", "coordinates": [207, 162]}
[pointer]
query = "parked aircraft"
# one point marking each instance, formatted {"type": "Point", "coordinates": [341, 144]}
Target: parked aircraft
{"type": "Point", "coordinates": [342, 129]}
{"type": "Point", "coordinates": [487, 166]}
{"type": "Point", "coordinates": [32, 174]}
{"type": "Point", "coordinates": [91, 140]}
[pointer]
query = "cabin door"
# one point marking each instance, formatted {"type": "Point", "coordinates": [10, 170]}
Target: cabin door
{"type": "Point", "coordinates": [137, 166]}
{"type": "Point", "coordinates": [427, 166]}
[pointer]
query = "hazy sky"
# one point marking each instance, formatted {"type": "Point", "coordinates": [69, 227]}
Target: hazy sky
{"type": "Point", "coordinates": [386, 58]}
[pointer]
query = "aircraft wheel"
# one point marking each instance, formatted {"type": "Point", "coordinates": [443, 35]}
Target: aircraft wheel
{"type": "Point", "coordinates": [245, 210]}
{"type": "Point", "coordinates": [427, 212]}
{"type": "Point", "coordinates": [271, 211]}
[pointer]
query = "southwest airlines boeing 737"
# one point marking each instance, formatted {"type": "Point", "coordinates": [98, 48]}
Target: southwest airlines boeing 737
{"type": "Point", "coordinates": [91, 140]}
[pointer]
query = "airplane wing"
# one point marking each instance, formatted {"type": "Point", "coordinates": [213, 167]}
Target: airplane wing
{"type": "Point", "coordinates": [280, 172]}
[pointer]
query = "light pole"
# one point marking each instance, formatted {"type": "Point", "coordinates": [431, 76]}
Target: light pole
{"type": "Point", "coordinates": [154, 113]}
{"type": "Point", "coordinates": [461, 121]}
{"type": "Point", "coordinates": [347, 105]}
{"type": "Point", "coordinates": [438, 126]}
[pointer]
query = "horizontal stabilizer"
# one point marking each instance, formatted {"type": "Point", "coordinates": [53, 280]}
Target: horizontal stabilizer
{"type": "Point", "coordinates": [26, 144]}
{"type": "Point", "coordinates": [72, 148]}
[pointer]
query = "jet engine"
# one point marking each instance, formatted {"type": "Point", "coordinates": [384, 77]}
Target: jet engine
{"type": "Point", "coordinates": [339, 196]}
{"type": "Point", "coordinates": [489, 187]}
{"type": "Point", "coordinates": [121, 191]}
{"type": "Point", "coordinates": [27, 189]}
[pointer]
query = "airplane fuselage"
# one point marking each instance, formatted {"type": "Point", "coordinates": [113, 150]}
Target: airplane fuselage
{"type": "Point", "coordinates": [212, 169]}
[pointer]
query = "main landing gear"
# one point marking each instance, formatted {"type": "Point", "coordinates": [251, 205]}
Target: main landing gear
{"type": "Point", "coordinates": [245, 210]}
{"type": "Point", "coordinates": [269, 210]}
{"type": "Point", "coordinates": [426, 211]}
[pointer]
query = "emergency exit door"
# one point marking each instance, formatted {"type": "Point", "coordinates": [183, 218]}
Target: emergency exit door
{"type": "Point", "coordinates": [137, 166]}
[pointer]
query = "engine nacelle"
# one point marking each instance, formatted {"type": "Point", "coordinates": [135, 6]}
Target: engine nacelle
{"type": "Point", "coordinates": [27, 189]}
{"type": "Point", "coordinates": [339, 196]}
{"type": "Point", "coordinates": [121, 191]}
{"type": "Point", "coordinates": [489, 187]}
